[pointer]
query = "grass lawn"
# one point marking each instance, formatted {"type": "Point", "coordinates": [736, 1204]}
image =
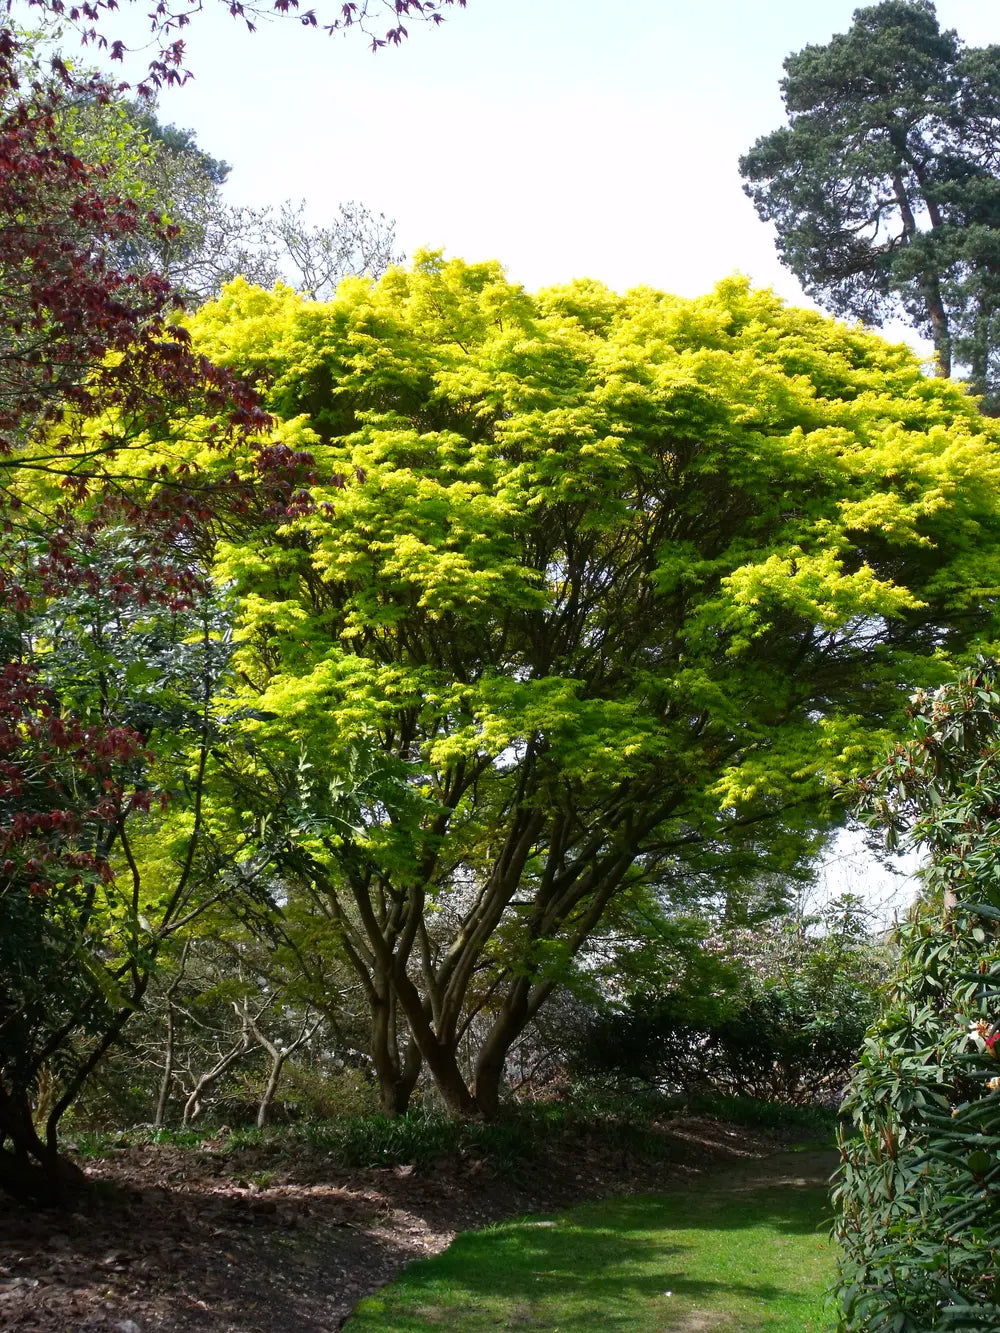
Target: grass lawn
{"type": "Point", "coordinates": [727, 1256]}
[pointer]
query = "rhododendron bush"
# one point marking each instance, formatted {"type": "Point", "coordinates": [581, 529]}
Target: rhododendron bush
{"type": "Point", "coordinates": [918, 1197]}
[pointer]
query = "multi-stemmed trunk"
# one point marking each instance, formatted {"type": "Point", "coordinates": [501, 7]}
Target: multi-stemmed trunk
{"type": "Point", "coordinates": [422, 995]}
{"type": "Point", "coordinates": [396, 1069]}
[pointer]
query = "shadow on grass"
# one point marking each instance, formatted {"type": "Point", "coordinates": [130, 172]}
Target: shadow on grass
{"type": "Point", "coordinates": [714, 1252]}
{"type": "Point", "coordinates": [790, 1209]}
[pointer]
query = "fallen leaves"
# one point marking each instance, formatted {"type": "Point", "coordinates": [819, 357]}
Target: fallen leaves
{"type": "Point", "coordinates": [177, 1241]}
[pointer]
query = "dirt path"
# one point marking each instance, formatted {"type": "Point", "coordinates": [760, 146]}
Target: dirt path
{"type": "Point", "coordinates": [801, 1168]}
{"type": "Point", "coordinates": [179, 1241]}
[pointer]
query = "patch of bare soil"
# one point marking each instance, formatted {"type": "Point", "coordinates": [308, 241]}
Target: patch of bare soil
{"type": "Point", "coordinates": [202, 1241]}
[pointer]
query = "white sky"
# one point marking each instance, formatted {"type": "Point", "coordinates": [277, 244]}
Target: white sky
{"type": "Point", "coordinates": [849, 866]}
{"type": "Point", "coordinates": [554, 135]}
{"type": "Point", "coordinates": [566, 138]}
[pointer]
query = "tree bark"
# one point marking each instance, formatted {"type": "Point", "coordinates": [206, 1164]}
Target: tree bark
{"type": "Point", "coordinates": [271, 1087]}
{"type": "Point", "coordinates": [31, 1170]}
{"type": "Point", "coordinates": [278, 1055]}
{"type": "Point", "coordinates": [168, 1069]}
{"type": "Point", "coordinates": [930, 285]}
{"type": "Point", "coordinates": [192, 1107]}
{"type": "Point", "coordinates": [940, 328]}
{"type": "Point", "coordinates": [493, 1053]}
{"type": "Point", "coordinates": [168, 1053]}
{"type": "Point", "coordinates": [396, 1078]}
{"type": "Point", "coordinates": [440, 1056]}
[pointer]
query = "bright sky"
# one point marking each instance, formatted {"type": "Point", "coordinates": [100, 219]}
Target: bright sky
{"type": "Point", "coordinates": [551, 134]}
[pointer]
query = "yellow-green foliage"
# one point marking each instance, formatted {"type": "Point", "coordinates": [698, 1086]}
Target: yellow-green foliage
{"type": "Point", "coordinates": [592, 589]}
{"type": "Point", "coordinates": [768, 494]}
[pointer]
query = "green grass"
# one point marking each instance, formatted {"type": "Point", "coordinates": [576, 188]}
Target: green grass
{"type": "Point", "coordinates": [739, 1262]}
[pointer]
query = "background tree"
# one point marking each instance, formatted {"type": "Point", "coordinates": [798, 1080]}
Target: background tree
{"type": "Point", "coordinates": [87, 351]}
{"type": "Point", "coordinates": [776, 1011]}
{"type": "Point", "coordinates": [65, 306]}
{"type": "Point", "coordinates": [187, 231]}
{"type": "Point", "coordinates": [115, 714]}
{"type": "Point", "coordinates": [358, 244]}
{"type": "Point", "coordinates": [917, 1200]}
{"type": "Point", "coordinates": [611, 582]}
{"type": "Point", "coordinates": [884, 186]}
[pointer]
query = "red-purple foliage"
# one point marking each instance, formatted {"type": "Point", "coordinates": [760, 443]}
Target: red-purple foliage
{"type": "Point", "coordinates": [64, 308]}
{"type": "Point", "coordinates": [80, 338]}
{"type": "Point", "coordinates": [90, 357]}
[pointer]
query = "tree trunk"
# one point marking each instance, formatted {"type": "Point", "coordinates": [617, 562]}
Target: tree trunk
{"type": "Point", "coordinates": [493, 1053]}
{"type": "Point", "coordinates": [396, 1078]}
{"type": "Point", "coordinates": [449, 1081]}
{"type": "Point", "coordinates": [440, 1056]}
{"type": "Point", "coordinates": [278, 1056]}
{"type": "Point", "coordinates": [930, 284]}
{"type": "Point", "coordinates": [273, 1079]}
{"type": "Point", "coordinates": [940, 329]}
{"type": "Point", "coordinates": [168, 1069]}
{"type": "Point", "coordinates": [168, 1054]}
{"type": "Point", "coordinates": [192, 1107]}
{"type": "Point", "coordinates": [31, 1170]}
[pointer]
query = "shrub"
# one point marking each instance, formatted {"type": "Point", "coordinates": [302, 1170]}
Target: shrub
{"type": "Point", "coordinates": [918, 1198]}
{"type": "Point", "coordinates": [791, 1005]}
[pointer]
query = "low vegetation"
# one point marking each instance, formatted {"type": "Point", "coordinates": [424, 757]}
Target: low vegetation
{"type": "Point", "coordinates": [289, 1227]}
{"type": "Point", "coordinates": [639, 1124]}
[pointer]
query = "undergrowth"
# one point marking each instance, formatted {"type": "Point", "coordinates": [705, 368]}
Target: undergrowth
{"type": "Point", "coordinates": [765, 1115]}
{"type": "Point", "coordinates": [625, 1122]}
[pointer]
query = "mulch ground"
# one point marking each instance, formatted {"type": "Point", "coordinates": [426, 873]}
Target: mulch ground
{"type": "Point", "coordinates": [204, 1241]}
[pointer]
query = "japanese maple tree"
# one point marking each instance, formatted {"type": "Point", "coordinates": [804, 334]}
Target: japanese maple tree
{"type": "Point", "coordinates": [616, 582]}
{"type": "Point", "coordinates": [95, 19]}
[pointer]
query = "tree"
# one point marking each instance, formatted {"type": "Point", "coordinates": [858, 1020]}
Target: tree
{"type": "Point", "coordinates": [187, 233]}
{"type": "Point", "coordinates": [109, 711]}
{"type": "Point", "coordinates": [190, 235]}
{"type": "Point", "coordinates": [357, 244]}
{"type": "Point", "coordinates": [64, 308]}
{"type": "Point", "coordinates": [591, 593]}
{"type": "Point", "coordinates": [87, 350]}
{"type": "Point", "coordinates": [917, 1197]}
{"type": "Point", "coordinates": [884, 186]}
{"type": "Point", "coordinates": [776, 1010]}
